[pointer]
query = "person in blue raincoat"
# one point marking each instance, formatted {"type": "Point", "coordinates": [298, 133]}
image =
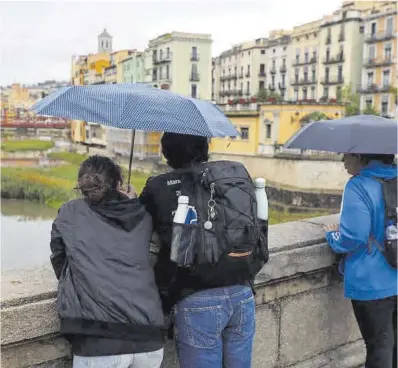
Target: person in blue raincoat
{"type": "Point", "coordinates": [369, 281]}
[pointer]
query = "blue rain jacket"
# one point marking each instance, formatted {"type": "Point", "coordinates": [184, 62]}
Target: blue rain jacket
{"type": "Point", "coordinates": [367, 275]}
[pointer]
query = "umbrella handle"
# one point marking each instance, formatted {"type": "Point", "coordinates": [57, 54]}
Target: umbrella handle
{"type": "Point", "coordinates": [130, 160]}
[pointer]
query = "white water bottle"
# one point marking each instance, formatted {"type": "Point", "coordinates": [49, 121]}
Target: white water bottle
{"type": "Point", "coordinates": [262, 199]}
{"type": "Point", "coordinates": [182, 210]}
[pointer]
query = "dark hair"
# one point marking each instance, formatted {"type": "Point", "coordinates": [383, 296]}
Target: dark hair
{"type": "Point", "coordinates": [97, 177]}
{"type": "Point", "coordinates": [181, 150]}
{"type": "Point", "coordinates": [385, 159]}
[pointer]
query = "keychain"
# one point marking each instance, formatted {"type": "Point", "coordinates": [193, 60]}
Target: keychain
{"type": "Point", "coordinates": [211, 212]}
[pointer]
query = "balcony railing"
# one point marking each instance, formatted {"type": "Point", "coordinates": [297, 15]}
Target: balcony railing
{"type": "Point", "coordinates": [241, 75]}
{"type": "Point", "coordinates": [328, 40]}
{"type": "Point", "coordinates": [239, 92]}
{"type": "Point", "coordinates": [337, 59]}
{"type": "Point", "coordinates": [303, 82]}
{"type": "Point", "coordinates": [282, 86]}
{"type": "Point", "coordinates": [247, 75]}
{"type": "Point", "coordinates": [194, 57]}
{"type": "Point", "coordinates": [159, 59]}
{"type": "Point", "coordinates": [262, 73]}
{"type": "Point", "coordinates": [374, 88]}
{"type": "Point", "coordinates": [194, 77]}
{"type": "Point", "coordinates": [305, 62]}
{"type": "Point", "coordinates": [271, 87]}
{"type": "Point", "coordinates": [330, 81]}
{"type": "Point", "coordinates": [371, 63]}
{"type": "Point", "coordinates": [382, 36]}
{"type": "Point", "coordinates": [341, 37]}
{"type": "Point", "coordinates": [273, 70]}
{"type": "Point", "coordinates": [283, 69]}
{"type": "Point", "coordinates": [247, 92]}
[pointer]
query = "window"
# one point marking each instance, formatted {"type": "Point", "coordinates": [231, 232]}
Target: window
{"type": "Point", "coordinates": [160, 73]}
{"type": "Point", "coordinates": [194, 90]}
{"type": "Point", "coordinates": [297, 58]}
{"type": "Point", "coordinates": [241, 86]}
{"type": "Point", "coordinates": [296, 74]}
{"type": "Point", "coordinates": [313, 92]}
{"type": "Point", "coordinates": [326, 74]}
{"type": "Point", "coordinates": [249, 53]}
{"type": "Point", "coordinates": [248, 70]}
{"type": "Point", "coordinates": [326, 92]}
{"type": "Point", "coordinates": [296, 94]}
{"type": "Point", "coordinates": [168, 52]}
{"type": "Point", "coordinates": [390, 25]}
{"type": "Point", "coordinates": [273, 64]}
{"type": "Point", "coordinates": [305, 93]}
{"type": "Point", "coordinates": [284, 62]}
{"type": "Point", "coordinates": [262, 52]}
{"type": "Point", "coordinates": [387, 51]}
{"type": "Point", "coordinates": [236, 71]}
{"type": "Point", "coordinates": [283, 79]}
{"type": "Point", "coordinates": [194, 69]}
{"type": "Point", "coordinates": [244, 133]}
{"type": "Point", "coordinates": [306, 74]}
{"type": "Point", "coordinates": [340, 73]}
{"type": "Point", "coordinates": [167, 71]}
{"type": "Point", "coordinates": [262, 69]}
{"type": "Point", "coordinates": [386, 78]}
{"type": "Point", "coordinates": [261, 85]}
{"type": "Point", "coordinates": [273, 81]}
{"type": "Point", "coordinates": [372, 52]}
{"type": "Point", "coordinates": [161, 55]}
{"type": "Point", "coordinates": [327, 54]}
{"type": "Point", "coordinates": [194, 51]}
{"type": "Point", "coordinates": [313, 75]}
{"type": "Point", "coordinates": [268, 131]}
{"type": "Point", "coordinates": [373, 28]}
{"type": "Point", "coordinates": [338, 93]}
{"type": "Point", "coordinates": [241, 71]}
{"type": "Point", "coordinates": [314, 52]}
{"type": "Point", "coordinates": [229, 71]}
{"type": "Point", "coordinates": [106, 44]}
{"type": "Point", "coordinates": [306, 56]}
{"type": "Point", "coordinates": [273, 51]}
{"type": "Point", "coordinates": [248, 88]}
{"type": "Point", "coordinates": [384, 106]}
{"type": "Point", "coordinates": [369, 102]}
{"type": "Point", "coordinates": [370, 78]}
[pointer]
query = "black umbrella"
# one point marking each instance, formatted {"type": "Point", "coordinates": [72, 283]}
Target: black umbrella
{"type": "Point", "coordinates": [355, 134]}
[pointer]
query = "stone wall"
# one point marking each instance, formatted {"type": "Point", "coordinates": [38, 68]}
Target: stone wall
{"type": "Point", "coordinates": [295, 172]}
{"type": "Point", "coordinates": [303, 320]}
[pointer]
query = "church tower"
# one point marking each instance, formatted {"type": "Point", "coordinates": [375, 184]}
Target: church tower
{"type": "Point", "coordinates": [105, 42]}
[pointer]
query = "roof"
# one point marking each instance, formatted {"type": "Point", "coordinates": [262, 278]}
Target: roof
{"type": "Point", "coordinates": [105, 34]}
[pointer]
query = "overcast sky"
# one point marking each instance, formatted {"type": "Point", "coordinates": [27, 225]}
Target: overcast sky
{"type": "Point", "coordinates": [38, 38]}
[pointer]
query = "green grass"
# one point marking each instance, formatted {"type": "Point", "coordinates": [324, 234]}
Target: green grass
{"type": "Point", "coordinates": [72, 158]}
{"type": "Point", "coordinates": [26, 145]}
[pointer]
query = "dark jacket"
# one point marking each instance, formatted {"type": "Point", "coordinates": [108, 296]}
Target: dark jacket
{"type": "Point", "coordinates": [108, 302]}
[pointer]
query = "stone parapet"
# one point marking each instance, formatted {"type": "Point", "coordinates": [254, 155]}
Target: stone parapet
{"type": "Point", "coordinates": [303, 320]}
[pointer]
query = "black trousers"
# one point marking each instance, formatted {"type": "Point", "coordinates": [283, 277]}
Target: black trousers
{"type": "Point", "coordinates": [377, 321]}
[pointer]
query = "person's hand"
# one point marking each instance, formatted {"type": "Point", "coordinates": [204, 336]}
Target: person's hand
{"type": "Point", "coordinates": [129, 192]}
{"type": "Point", "coordinates": [331, 227]}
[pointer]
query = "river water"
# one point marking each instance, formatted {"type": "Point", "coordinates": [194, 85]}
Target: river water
{"type": "Point", "coordinates": [25, 234]}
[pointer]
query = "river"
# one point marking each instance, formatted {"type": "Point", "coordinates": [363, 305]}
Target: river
{"type": "Point", "coordinates": [25, 234]}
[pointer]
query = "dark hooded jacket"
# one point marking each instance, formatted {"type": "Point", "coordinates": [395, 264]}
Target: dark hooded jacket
{"type": "Point", "coordinates": [108, 302]}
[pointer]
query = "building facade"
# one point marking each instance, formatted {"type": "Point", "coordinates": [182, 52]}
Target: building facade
{"type": "Point", "coordinates": [340, 53]}
{"type": "Point", "coordinates": [379, 73]}
{"type": "Point", "coordinates": [181, 63]}
{"type": "Point", "coordinates": [304, 69]}
{"type": "Point", "coordinates": [237, 73]}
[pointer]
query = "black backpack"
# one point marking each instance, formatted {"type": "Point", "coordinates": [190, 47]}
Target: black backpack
{"type": "Point", "coordinates": [228, 245]}
{"type": "Point", "coordinates": [389, 248]}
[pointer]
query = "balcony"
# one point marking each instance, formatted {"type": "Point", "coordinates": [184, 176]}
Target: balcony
{"type": "Point", "coordinates": [247, 92]}
{"type": "Point", "coordinates": [283, 69]}
{"type": "Point", "coordinates": [372, 63]}
{"type": "Point", "coordinates": [332, 81]}
{"type": "Point", "coordinates": [224, 77]}
{"type": "Point", "coordinates": [341, 37]}
{"type": "Point", "coordinates": [241, 75]}
{"type": "Point", "coordinates": [282, 86]}
{"type": "Point", "coordinates": [233, 76]}
{"type": "Point", "coordinates": [194, 57]}
{"type": "Point", "coordinates": [262, 73]}
{"type": "Point", "coordinates": [271, 87]}
{"type": "Point", "coordinates": [194, 77]}
{"type": "Point", "coordinates": [374, 88]}
{"type": "Point", "coordinates": [160, 59]}
{"type": "Point", "coordinates": [328, 40]}
{"type": "Point", "coordinates": [305, 62]}
{"type": "Point", "coordinates": [273, 70]}
{"type": "Point", "coordinates": [381, 36]}
{"type": "Point", "coordinates": [247, 75]}
{"type": "Point", "coordinates": [335, 60]}
{"type": "Point", "coordinates": [239, 92]}
{"type": "Point", "coordinates": [303, 82]}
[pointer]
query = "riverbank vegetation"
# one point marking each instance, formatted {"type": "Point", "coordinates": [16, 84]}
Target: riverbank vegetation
{"type": "Point", "coordinates": [25, 145]}
{"type": "Point", "coordinates": [55, 185]}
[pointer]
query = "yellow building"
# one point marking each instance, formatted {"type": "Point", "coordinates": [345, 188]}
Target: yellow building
{"type": "Point", "coordinates": [263, 127]}
{"type": "Point", "coordinates": [379, 73]}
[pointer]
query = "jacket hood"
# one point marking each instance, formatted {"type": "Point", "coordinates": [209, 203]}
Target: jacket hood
{"type": "Point", "coordinates": [379, 170]}
{"type": "Point", "coordinates": [120, 210]}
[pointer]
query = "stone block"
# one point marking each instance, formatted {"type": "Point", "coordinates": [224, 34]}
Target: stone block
{"type": "Point", "coordinates": [266, 340]}
{"type": "Point", "coordinates": [295, 285]}
{"type": "Point", "coordinates": [35, 353]}
{"type": "Point", "coordinates": [28, 321]}
{"type": "Point", "coordinates": [315, 322]}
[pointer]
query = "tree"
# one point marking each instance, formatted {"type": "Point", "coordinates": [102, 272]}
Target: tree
{"type": "Point", "coordinates": [275, 95]}
{"type": "Point", "coordinates": [262, 95]}
{"type": "Point", "coordinates": [369, 110]}
{"type": "Point", "coordinates": [351, 101]}
{"type": "Point", "coordinates": [314, 116]}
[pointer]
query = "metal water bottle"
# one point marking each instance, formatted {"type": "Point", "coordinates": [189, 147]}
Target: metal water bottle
{"type": "Point", "coordinates": [182, 210]}
{"type": "Point", "coordinates": [262, 199]}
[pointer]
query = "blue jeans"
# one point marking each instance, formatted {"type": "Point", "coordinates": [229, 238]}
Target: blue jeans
{"type": "Point", "coordinates": [215, 328]}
